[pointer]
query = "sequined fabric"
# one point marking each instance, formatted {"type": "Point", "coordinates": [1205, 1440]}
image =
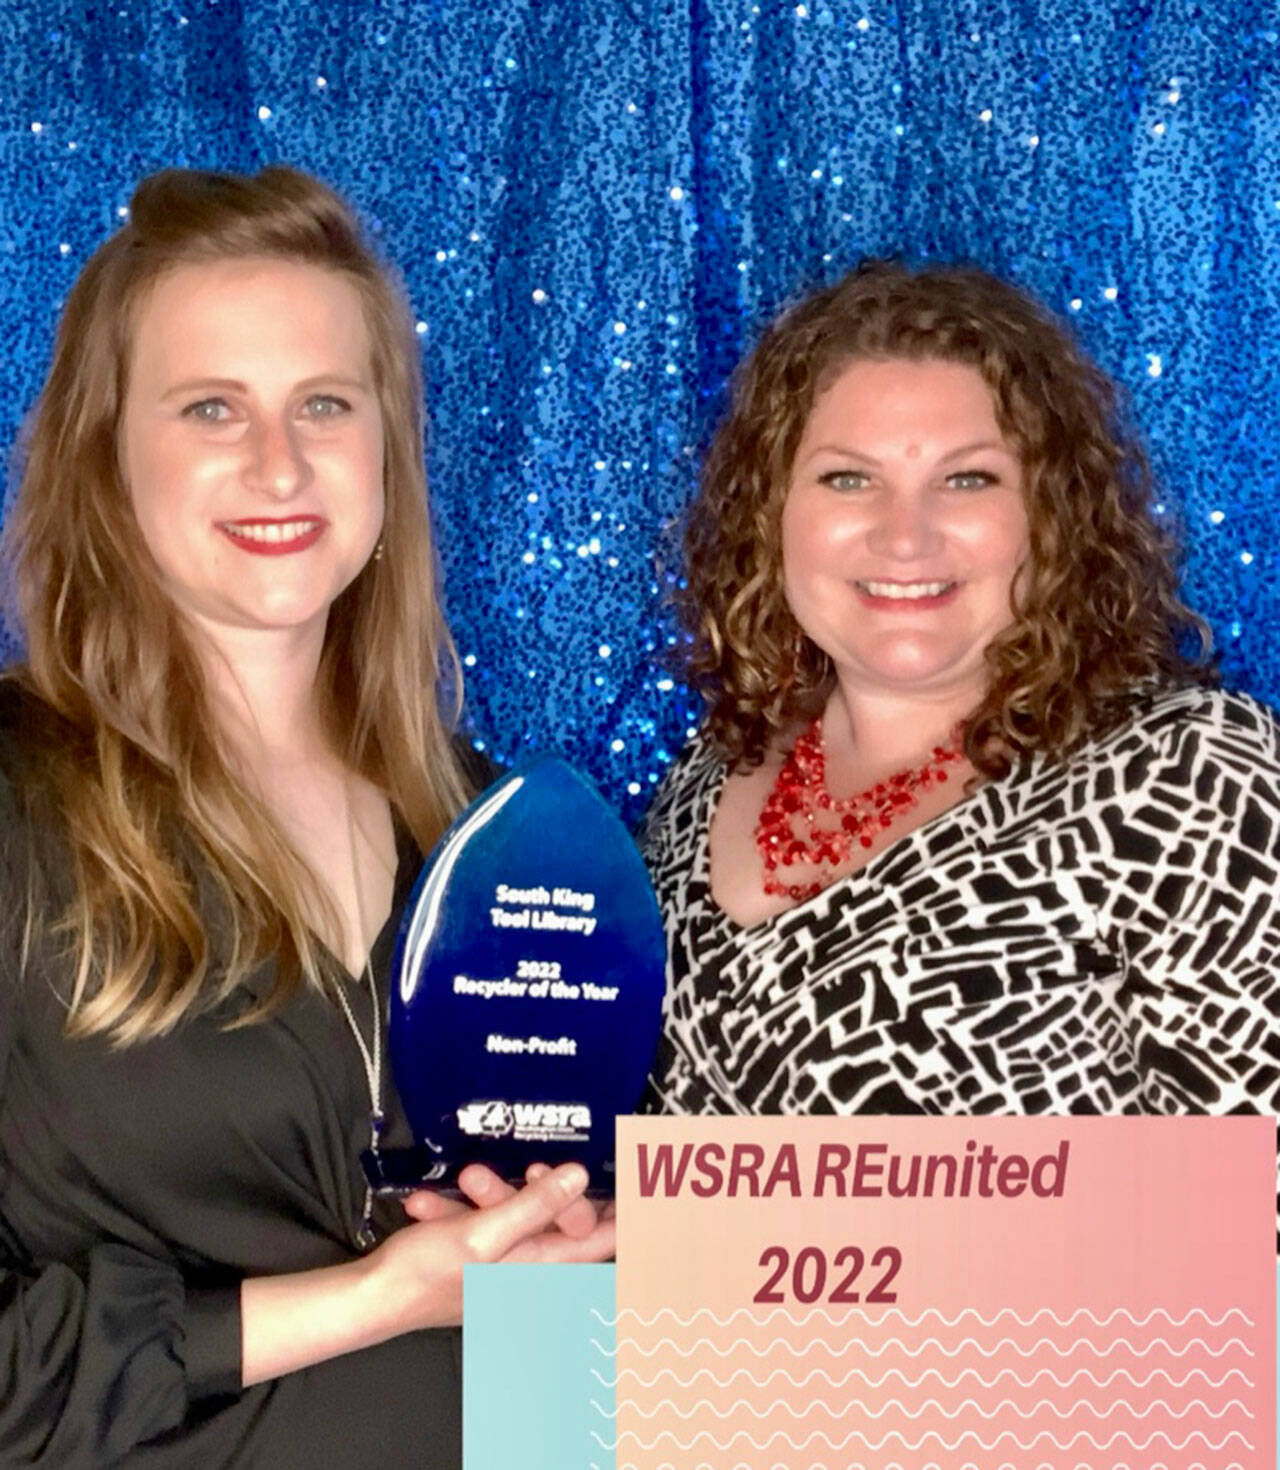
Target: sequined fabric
{"type": "Point", "coordinates": [596, 205]}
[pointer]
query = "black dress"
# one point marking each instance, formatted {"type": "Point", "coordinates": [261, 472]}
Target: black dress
{"type": "Point", "coordinates": [139, 1187]}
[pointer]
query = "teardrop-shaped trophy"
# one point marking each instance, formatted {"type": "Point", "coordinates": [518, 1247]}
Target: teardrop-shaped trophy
{"type": "Point", "coordinates": [527, 985]}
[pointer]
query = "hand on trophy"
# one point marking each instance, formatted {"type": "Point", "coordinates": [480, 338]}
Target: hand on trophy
{"type": "Point", "coordinates": [417, 1272]}
{"type": "Point", "coordinates": [485, 1189]}
{"type": "Point", "coordinates": [413, 1280]}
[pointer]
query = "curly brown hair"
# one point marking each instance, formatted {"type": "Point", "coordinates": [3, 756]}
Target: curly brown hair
{"type": "Point", "coordinates": [1096, 611]}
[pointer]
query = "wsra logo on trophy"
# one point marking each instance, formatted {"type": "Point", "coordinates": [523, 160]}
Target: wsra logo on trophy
{"type": "Point", "coordinates": [526, 989]}
{"type": "Point", "coordinates": [562, 1122]}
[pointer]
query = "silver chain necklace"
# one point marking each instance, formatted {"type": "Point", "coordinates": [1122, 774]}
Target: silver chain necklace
{"type": "Point", "coordinates": [370, 1057]}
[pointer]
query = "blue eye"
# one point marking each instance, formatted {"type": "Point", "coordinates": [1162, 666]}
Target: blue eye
{"type": "Point", "coordinates": [971, 480]}
{"type": "Point", "coordinates": [325, 406]}
{"type": "Point", "coordinates": [208, 411]}
{"type": "Point", "coordinates": [845, 480]}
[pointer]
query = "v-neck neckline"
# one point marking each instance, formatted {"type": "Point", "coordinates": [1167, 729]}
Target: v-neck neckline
{"type": "Point", "coordinates": [408, 862]}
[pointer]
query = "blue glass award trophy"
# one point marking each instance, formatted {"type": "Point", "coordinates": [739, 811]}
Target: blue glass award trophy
{"type": "Point", "coordinates": [526, 992]}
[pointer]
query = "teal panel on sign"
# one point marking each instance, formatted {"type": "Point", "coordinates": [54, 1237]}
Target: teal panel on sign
{"type": "Point", "coordinates": [538, 1368]}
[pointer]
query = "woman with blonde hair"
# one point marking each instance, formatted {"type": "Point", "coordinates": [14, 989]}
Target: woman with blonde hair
{"type": "Point", "coordinates": [221, 762]}
{"type": "Point", "coordinates": [967, 829]}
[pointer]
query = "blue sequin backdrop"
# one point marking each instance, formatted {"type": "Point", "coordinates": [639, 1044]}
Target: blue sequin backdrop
{"type": "Point", "coordinates": [596, 204]}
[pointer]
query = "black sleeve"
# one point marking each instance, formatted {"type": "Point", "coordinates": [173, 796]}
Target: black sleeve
{"type": "Point", "coordinates": [98, 1357]}
{"type": "Point", "coordinates": [103, 1352]}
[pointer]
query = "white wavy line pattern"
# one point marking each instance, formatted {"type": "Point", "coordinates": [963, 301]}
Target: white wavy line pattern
{"type": "Point", "coordinates": [1027, 1412]}
{"type": "Point", "coordinates": [900, 1319]}
{"type": "Point", "coordinates": [898, 1465]}
{"type": "Point", "coordinates": [930, 1434]}
{"type": "Point", "coordinates": [927, 1373]}
{"type": "Point", "coordinates": [692, 1413]}
{"type": "Point", "coordinates": [669, 1344]}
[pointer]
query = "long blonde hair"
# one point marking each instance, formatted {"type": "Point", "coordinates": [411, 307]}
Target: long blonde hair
{"type": "Point", "coordinates": [136, 775]}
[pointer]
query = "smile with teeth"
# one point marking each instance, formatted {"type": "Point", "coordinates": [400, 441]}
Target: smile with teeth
{"type": "Point", "coordinates": [272, 532]}
{"type": "Point", "coordinates": [905, 591]}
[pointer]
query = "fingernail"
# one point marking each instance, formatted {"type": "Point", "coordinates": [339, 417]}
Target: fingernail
{"type": "Point", "coordinates": [572, 1178]}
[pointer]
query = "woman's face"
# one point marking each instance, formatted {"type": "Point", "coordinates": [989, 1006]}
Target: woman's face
{"type": "Point", "coordinates": [252, 442]}
{"type": "Point", "coordinates": [904, 527]}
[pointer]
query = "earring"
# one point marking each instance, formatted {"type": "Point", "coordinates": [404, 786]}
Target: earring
{"type": "Point", "coordinates": [377, 550]}
{"type": "Point", "coordinates": [799, 650]}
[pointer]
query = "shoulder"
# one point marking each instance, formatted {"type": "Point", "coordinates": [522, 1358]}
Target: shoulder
{"type": "Point", "coordinates": [1187, 750]}
{"type": "Point", "coordinates": [1197, 769]}
{"type": "Point", "coordinates": [677, 808]}
{"type": "Point", "coordinates": [28, 731]}
{"type": "Point", "coordinates": [29, 727]}
{"type": "Point", "coordinates": [1199, 726]}
{"type": "Point", "coordinates": [16, 702]}
{"type": "Point", "coordinates": [36, 744]}
{"type": "Point", "coordinates": [689, 772]}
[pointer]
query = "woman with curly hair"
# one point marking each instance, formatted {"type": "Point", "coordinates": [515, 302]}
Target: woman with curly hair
{"type": "Point", "coordinates": [220, 765]}
{"type": "Point", "coordinates": [967, 829]}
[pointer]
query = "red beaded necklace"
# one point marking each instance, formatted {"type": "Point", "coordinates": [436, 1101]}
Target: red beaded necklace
{"type": "Point", "coordinates": [801, 822]}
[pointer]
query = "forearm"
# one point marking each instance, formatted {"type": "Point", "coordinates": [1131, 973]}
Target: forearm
{"type": "Point", "coordinates": [294, 1321]}
{"type": "Point", "coordinates": [413, 1280]}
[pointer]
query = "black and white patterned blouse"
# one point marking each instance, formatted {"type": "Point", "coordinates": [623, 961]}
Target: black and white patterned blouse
{"type": "Point", "coordinates": [1096, 937]}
